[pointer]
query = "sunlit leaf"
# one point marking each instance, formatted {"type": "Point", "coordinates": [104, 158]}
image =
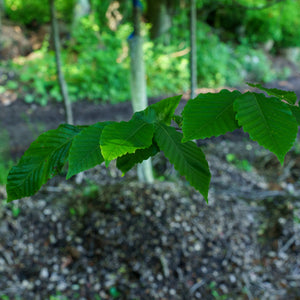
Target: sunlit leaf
{"type": "Point", "coordinates": [118, 139]}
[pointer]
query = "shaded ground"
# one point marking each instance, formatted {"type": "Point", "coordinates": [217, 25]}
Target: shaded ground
{"type": "Point", "coordinates": [114, 238]}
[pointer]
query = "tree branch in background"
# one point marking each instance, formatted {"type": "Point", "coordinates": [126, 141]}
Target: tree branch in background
{"type": "Point", "coordinates": [1, 20]}
{"type": "Point", "coordinates": [61, 79]}
{"type": "Point", "coordinates": [193, 54]}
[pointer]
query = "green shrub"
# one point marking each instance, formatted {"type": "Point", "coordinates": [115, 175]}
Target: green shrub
{"type": "Point", "coordinates": [166, 72]}
{"type": "Point", "coordinates": [222, 63]}
{"type": "Point", "coordinates": [26, 12]}
{"type": "Point", "coordinates": [97, 67]}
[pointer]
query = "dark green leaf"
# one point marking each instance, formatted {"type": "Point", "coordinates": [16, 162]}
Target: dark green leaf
{"type": "Point", "coordinates": [209, 115]}
{"type": "Point", "coordinates": [178, 120]}
{"type": "Point", "coordinates": [165, 109]}
{"type": "Point", "coordinates": [288, 96]}
{"type": "Point", "coordinates": [268, 121]}
{"type": "Point", "coordinates": [118, 139]}
{"type": "Point", "coordinates": [296, 112]}
{"type": "Point", "coordinates": [44, 159]}
{"type": "Point", "coordinates": [127, 161]}
{"type": "Point", "coordinates": [187, 158]}
{"type": "Point", "coordinates": [161, 111]}
{"type": "Point", "coordinates": [85, 152]}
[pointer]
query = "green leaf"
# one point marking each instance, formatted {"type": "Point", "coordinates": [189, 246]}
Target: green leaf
{"type": "Point", "coordinates": [165, 109]}
{"type": "Point", "coordinates": [44, 159]}
{"type": "Point", "coordinates": [187, 158]}
{"type": "Point", "coordinates": [268, 121]}
{"type": "Point", "coordinates": [209, 115]}
{"type": "Point", "coordinates": [288, 96]}
{"type": "Point", "coordinates": [118, 139]}
{"type": "Point", "coordinates": [178, 120]}
{"type": "Point", "coordinates": [296, 112]}
{"type": "Point", "coordinates": [85, 152]}
{"type": "Point", "coordinates": [127, 161]}
{"type": "Point", "coordinates": [161, 111]}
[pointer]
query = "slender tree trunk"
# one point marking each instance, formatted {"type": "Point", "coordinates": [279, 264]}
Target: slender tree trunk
{"type": "Point", "coordinates": [82, 8]}
{"type": "Point", "coordinates": [193, 44]}
{"type": "Point", "coordinates": [138, 83]}
{"type": "Point", "coordinates": [160, 17]}
{"type": "Point", "coordinates": [61, 79]}
{"type": "Point", "coordinates": [1, 20]}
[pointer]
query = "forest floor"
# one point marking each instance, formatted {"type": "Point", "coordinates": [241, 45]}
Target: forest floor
{"type": "Point", "coordinates": [104, 236]}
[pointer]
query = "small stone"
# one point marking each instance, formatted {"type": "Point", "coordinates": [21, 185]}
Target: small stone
{"type": "Point", "coordinates": [50, 287]}
{"type": "Point", "coordinates": [78, 240]}
{"type": "Point", "coordinates": [232, 278]}
{"type": "Point", "coordinates": [47, 212]}
{"type": "Point", "coordinates": [52, 239]}
{"type": "Point", "coordinates": [54, 277]}
{"type": "Point", "coordinates": [56, 267]}
{"type": "Point", "coordinates": [159, 277]}
{"type": "Point", "coordinates": [172, 292]}
{"type": "Point", "coordinates": [253, 277]}
{"type": "Point", "coordinates": [75, 287]}
{"type": "Point", "coordinates": [27, 284]}
{"type": "Point", "coordinates": [272, 254]}
{"type": "Point", "coordinates": [197, 247]}
{"type": "Point", "coordinates": [37, 282]}
{"type": "Point", "coordinates": [54, 218]}
{"type": "Point", "coordinates": [224, 289]}
{"type": "Point", "coordinates": [44, 273]}
{"type": "Point", "coordinates": [62, 286]}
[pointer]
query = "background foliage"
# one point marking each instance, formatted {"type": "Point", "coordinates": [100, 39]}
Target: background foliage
{"type": "Point", "coordinates": [231, 38]}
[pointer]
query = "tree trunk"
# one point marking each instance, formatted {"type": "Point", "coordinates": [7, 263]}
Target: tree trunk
{"type": "Point", "coordinates": [61, 79]}
{"type": "Point", "coordinates": [193, 44]}
{"type": "Point", "coordinates": [159, 15]}
{"type": "Point", "coordinates": [1, 17]}
{"type": "Point", "coordinates": [82, 8]}
{"type": "Point", "coordinates": [138, 84]}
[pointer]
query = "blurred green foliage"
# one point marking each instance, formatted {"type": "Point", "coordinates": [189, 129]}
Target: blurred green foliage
{"type": "Point", "coordinates": [255, 21]}
{"type": "Point", "coordinates": [33, 12]}
{"type": "Point", "coordinates": [230, 35]}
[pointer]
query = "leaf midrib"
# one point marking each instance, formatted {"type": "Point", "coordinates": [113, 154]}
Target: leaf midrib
{"type": "Point", "coordinates": [267, 124]}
